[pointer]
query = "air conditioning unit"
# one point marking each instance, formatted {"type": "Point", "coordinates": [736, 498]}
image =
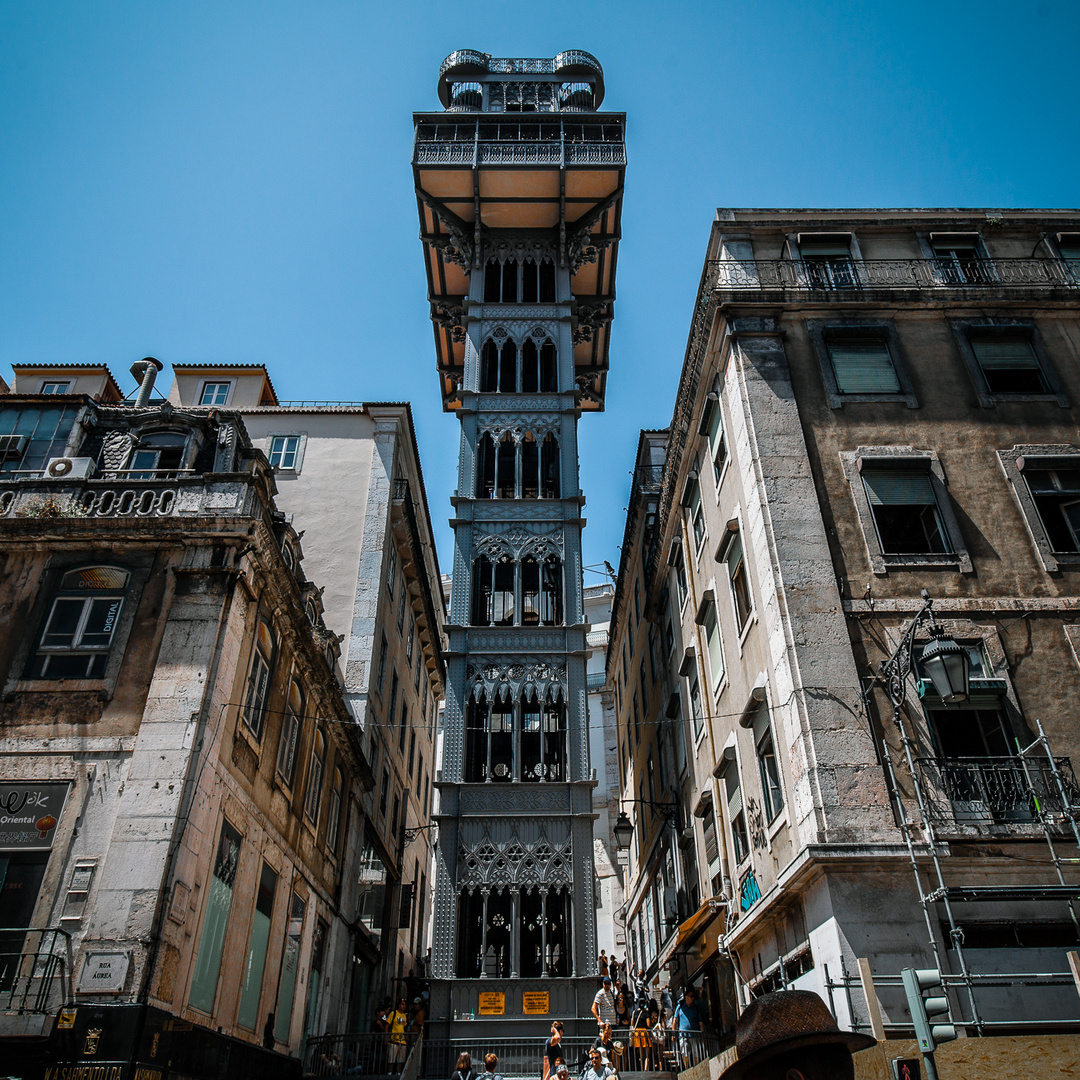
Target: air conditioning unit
{"type": "Point", "coordinates": [13, 446]}
{"type": "Point", "coordinates": [69, 468]}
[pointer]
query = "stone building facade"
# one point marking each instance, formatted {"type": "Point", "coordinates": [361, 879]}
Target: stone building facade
{"type": "Point", "coordinates": [348, 476]}
{"type": "Point", "coordinates": [183, 783]}
{"type": "Point", "coordinates": [872, 403]}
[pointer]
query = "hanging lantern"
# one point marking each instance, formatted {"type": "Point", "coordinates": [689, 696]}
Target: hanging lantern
{"type": "Point", "coordinates": [948, 667]}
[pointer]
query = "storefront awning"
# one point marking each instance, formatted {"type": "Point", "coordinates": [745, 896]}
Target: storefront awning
{"type": "Point", "coordinates": [693, 927]}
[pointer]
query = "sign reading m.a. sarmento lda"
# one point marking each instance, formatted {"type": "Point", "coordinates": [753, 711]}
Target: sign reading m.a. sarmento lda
{"type": "Point", "coordinates": [29, 814]}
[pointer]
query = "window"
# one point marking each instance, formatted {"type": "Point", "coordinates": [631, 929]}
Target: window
{"type": "Point", "coordinates": [30, 437]}
{"type": "Point", "coordinates": [258, 685]}
{"type": "Point", "coordinates": [1056, 495]}
{"type": "Point", "coordinates": [207, 965]}
{"type": "Point", "coordinates": [315, 778]}
{"type": "Point", "coordinates": [161, 451]}
{"type": "Point", "coordinates": [905, 511]}
{"type": "Point", "coordinates": [333, 820]}
{"type": "Point", "coordinates": [284, 451]}
{"type": "Point", "coordinates": [740, 841]}
{"type": "Point", "coordinates": [401, 610]}
{"type": "Point", "coordinates": [1009, 365]}
{"type": "Point", "coordinates": [959, 261]}
{"type": "Point", "coordinates": [772, 792]}
{"type": "Point", "coordinates": [691, 500]}
{"type": "Point", "coordinates": [697, 715]}
{"type": "Point", "coordinates": [903, 504]}
{"type": "Point", "coordinates": [384, 794]}
{"type": "Point", "coordinates": [860, 361]}
{"type": "Point", "coordinates": [380, 680]}
{"type": "Point", "coordinates": [712, 427]}
{"type": "Point", "coordinates": [55, 387]}
{"type": "Point", "coordinates": [496, 584]}
{"type": "Point", "coordinates": [735, 560]}
{"type": "Point", "coordinates": [1068, 245]}
{"type": "Point", "coordinates": [412, 752]}
{"type": "Point", "coordinates": [707, 620]}
{"type": "Point", "coordinates": [675, 560]}
{"type": "Point", "coordinates": [391, 569]}
{"type": "Point", "coordinates": [827, 258]}
{"type": "Point", "coordinates": [394, 685]}
{"type": "Point", "coordinates": [81, 624]}
{"type": "Point", "coordinates": [403, 726]}
{"type": "Point", "coordinates": [247, 1014]}
{"type": "Point", "coordinates": [290, 735]}
{"type": "Point", "coordinates": [215, 393]}
{"type": "Point", "coordinates": [515, 741]}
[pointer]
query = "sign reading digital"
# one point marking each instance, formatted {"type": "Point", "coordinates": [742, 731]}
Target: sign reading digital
{"type": "Point", "coordinates": [29, 814]}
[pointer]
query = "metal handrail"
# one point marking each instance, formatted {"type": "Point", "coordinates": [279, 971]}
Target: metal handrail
{"type": "Point", "coordinates": [845, 274]}
{"type": "Point", "coordinates": [34, 978]}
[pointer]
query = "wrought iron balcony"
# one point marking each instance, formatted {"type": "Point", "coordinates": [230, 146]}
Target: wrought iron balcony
{"type": "Point", "coordinates": [842, 275]}
{"type": "Point", "coordinates": [595, 680]}
{"type": "Point", "coordinates": [999, 790]}
{"type": "Point", "coordinates": [35, 969]}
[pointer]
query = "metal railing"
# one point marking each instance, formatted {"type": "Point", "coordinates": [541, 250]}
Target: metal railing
{"type": "Point", "coordinates": [378, 1053]}
{"type": "Point", "coordinates": [521, 1057]}
{"type": "Point", "coordinates": [35, 969]}
{"type": "Point", "coordinates": [133, 496]}
{"type": "Point", "coordinates": [595, 680]}
{"type": "Point", "coordinates": [998, 790]}
{"type": "Point", "coordinates": [842, 274]}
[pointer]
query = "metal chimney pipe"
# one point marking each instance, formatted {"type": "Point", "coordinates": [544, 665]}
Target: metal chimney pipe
{"type": "Point", "coordinates": [146, 371]}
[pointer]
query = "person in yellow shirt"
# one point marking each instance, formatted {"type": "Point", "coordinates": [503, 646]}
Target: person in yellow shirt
{"type": "Point", "coordinates": [397, 1020]}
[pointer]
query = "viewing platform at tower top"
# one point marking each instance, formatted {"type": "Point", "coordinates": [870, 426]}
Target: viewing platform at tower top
{"type": "Point", "coordinates": [520, 167]}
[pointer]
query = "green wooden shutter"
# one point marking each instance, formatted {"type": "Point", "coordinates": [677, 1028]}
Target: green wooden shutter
{"type": "Point", "coordinates": [1008, 355]}
{"type": "Point", "coordinates": [863, 368]}
{"type": "Point", "coordinates": [898, 487]}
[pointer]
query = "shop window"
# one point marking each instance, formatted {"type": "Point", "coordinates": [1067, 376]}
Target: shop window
{"type": "Point", "coordinates": [247, 1015]}
{"type": "Point", "coordinates": [218, 903]}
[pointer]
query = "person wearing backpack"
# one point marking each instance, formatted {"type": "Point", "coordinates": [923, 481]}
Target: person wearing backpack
{"type": "Point", "coordinates": [464, 1070]}
{"type": "Point", "coordinates": [491, 1065]}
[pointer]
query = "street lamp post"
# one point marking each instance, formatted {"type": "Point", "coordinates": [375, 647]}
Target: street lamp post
{"type": "Point", "coordinates": [949, 668]}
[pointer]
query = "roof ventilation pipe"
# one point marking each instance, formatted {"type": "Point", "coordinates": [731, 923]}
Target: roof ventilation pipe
{"type": "Point", "coordinates": [145, 370]}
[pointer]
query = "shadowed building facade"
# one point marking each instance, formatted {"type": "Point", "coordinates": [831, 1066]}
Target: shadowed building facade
{"type": "Point", "coordinates": [519, 187]}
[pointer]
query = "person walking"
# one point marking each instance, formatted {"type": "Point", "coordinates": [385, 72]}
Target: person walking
{"type": "Point", "coordinates": [603, 1006]}
{"type": "Point", "coordinates": [553, 1048]}
{"type": "Point", "coordinates": [685, 1021]}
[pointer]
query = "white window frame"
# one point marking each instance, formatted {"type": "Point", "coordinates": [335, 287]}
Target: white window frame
{"type": "Point", "coordinates": [282, 452]}
{"type": "Point", "coordinates": [59, 386]}
{"type": "Point", "coordinates": [206, 385]}
{"type": "Point", "coordinates": [705, 607]}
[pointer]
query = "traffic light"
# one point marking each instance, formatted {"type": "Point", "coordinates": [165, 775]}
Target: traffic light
{"type": "Point", "coordinates": [917, 981]}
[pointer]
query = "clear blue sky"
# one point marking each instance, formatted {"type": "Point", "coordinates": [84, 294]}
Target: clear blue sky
{"type": "Point", "coordinates": [230, 181]}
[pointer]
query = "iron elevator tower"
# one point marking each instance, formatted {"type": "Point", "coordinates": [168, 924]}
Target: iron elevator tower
{"type": "Point", "coordinates": [519, 186]}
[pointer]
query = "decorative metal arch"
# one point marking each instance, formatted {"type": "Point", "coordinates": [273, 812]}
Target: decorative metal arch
{"type": "Point", "coordinates": [543, 864]}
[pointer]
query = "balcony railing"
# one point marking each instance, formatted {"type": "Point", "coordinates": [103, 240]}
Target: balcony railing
{"type": "Point", "coordinates": [115, 496]}
{"type": "Point", "coordinates": [360, 1054]}
{"type": "Point", "coordinates": [595, 680]}
{"type": "Point", "coordinates": [841, 275]}
{"type": "Point", "coordinates": [998, 790]}
{"type": "Point", "coordinates": [35, 969]}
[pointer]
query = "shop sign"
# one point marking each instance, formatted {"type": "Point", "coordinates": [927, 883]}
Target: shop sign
{"type": "Point", "coordinates": [492, 1004]}
{"type": "Point", "coordinates": [534, 1003]}
{"type": "Point", "coordinates": [29, 814]}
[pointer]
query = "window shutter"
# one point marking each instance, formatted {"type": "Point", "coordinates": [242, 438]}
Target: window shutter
{"type": "Point", "coordinates": [898, 487]}
{"type": "Point", "coordinates": [863, 368]}
{"type": "Point", "coordinates": [1009, 355]}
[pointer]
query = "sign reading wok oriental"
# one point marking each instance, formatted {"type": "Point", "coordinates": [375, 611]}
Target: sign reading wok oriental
{"type": "Point", "coordinates": [29, 814]}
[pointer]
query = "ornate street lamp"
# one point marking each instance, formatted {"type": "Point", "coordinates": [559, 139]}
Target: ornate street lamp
{"type": "Point", "coordinates": [623, 831]}
{"type": "Point", "coordinates": [946, 662]}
